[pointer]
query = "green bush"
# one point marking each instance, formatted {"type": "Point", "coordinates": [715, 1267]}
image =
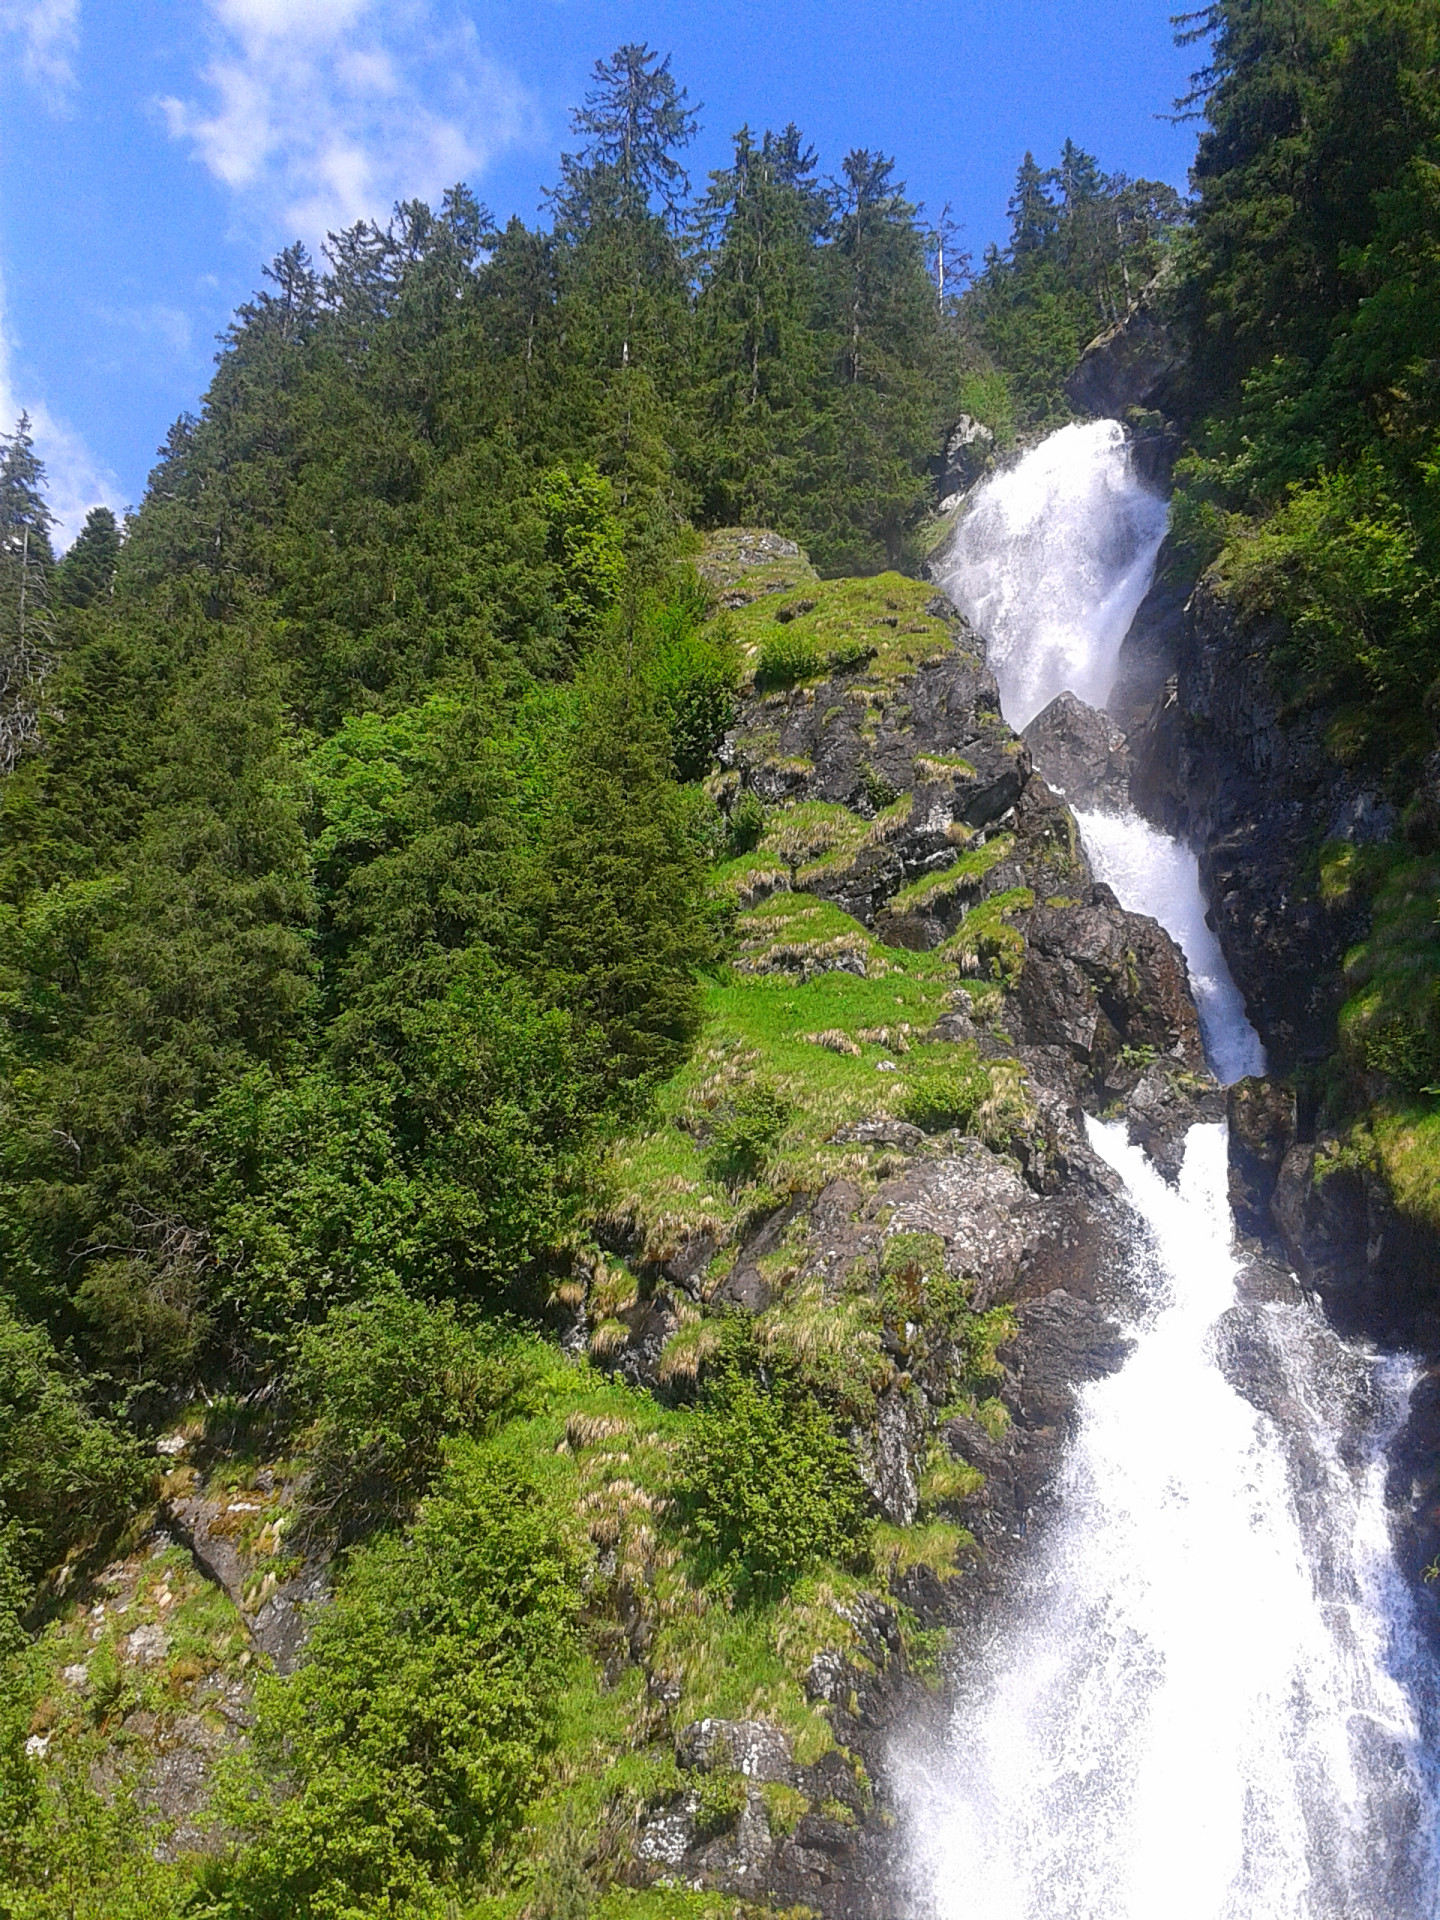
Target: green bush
{"type": "Point", "coordinates": [850, 655]}
{"type": "Point", "coordinates": [787, 657]}
{"type": "Point", "coordinates": [747, 1130]}
{"type": "Point", "coordinates": [407, 1744]}
{"type": "Point", "coordinates": [747, 823]}
{"type": "Point", "coordinates": [719, 1802]}
{"type": "Point", "coordinates": [766, 1486]}
{"type": "Point", "coordinates": [695, 674]}
{"type": "Point", "coordinates": [64, 1474]}
{"type": "Point", "coordinates": [941, 1097]}
{"type": "Point", "coordinates": [388, 1381]}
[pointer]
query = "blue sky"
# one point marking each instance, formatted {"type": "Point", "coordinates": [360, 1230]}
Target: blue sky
{"type": "Point", "coordinates": [153, 153]}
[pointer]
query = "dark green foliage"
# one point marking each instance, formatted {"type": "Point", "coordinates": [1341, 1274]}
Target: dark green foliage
{"type": "Point", "coordinates": [406, 1745]}
{"type": "Point", "coordinates": [88, 569]}
{"type": "Point", "coordinates": [26, 562]}
{"type": "Point", "coordinates": [388, 1381]}
{"type": "Point", "coordinates": [1310, 294]}
{"type": "Point", "coordinates": [748, 1127]}
{"type": "Point", "coordinates": [766, 1485]}
{"type": "Point", "coordinates": [65, 1476]}
{"type": "Point", "coordinates": [695, 675]}
{"type": "Point", "coordinates": [747, 822]}
{"type": "Point", "coordinates": [1083, 244]}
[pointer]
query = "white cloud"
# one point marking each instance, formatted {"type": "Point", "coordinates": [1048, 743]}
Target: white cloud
{"type": "Point", "coordinates": [49, 31]}
{"type": "Point", "coordinates": [75, 479]}
{"type": "Point", "coordinates": [318, 113]}
{"type": "Point", "coordinates": [155, 321]}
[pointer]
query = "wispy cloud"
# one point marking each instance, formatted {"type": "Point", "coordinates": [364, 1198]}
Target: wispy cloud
{"type": "Point", "coordinates": [170, 325]}
{"type": "Point", "coordinates": [48, 32]}
{"type": "Point", "coordinates": [318, 113]}
{"type": "Point", "coordinates": [76, 480]}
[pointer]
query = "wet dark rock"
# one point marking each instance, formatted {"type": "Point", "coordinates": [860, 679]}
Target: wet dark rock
{"type": "Point", "coordinates": [1163, 1105]}
{"type": "Point", "coordinates": [1132, 364]}
{"type": "Point", "coordinates": [1377, 1271]}
{"type": "Point", "coordinates": [1148, 662]}
{"type": "Point", "coordinates": [1261, 1115]}
{"type": "Point", "coordinates": [1255, 792]}
{"type": "Point", "coordinates": [1081, 752]}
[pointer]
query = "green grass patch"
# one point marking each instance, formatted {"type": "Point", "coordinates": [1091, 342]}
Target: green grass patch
{"type": "Point", "coordinates": [986, 939]}
{"type": "Point", "coordinates": [963, 875]}
{"type": "Point", "coordinates": [874, 630]}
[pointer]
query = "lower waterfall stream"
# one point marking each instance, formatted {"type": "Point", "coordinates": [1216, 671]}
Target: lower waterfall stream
{"type": "Point", "coordinates": [1210, 1699]}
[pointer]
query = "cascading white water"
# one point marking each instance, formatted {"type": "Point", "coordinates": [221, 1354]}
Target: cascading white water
{"type": "Point", "coordinates": [1197, 1711]}
{"type": "Point", "coordinates": [1211, 1701]}
{"type": "Point", "coordinates": [1050, 562]}
{"type": "Point", "coordinates": [1153, 873]}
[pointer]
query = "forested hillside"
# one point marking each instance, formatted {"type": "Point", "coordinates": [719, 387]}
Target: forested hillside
{"type": "Point", "coordinates": [355, 896]}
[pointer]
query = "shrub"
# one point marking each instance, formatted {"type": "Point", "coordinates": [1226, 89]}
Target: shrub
{"type": "Point", "coordinates": [407, 1744]}
{"type": "Point", "coordinates": [64, 1474]}
{"type": "Point", "coordinates": [850, 655]}
{"type": "Point", "coordinates": [695, 675]}
{"type": "Point", "coordinates": [747, 823]}
{"type": "Point", "coordinates": [389, 1381]}
{"type": "Point", "coordinates": [766, 1486]}
{"type": "Point", "coordinates": [946, 1096]}
{"type": "Point", "coordinates": [787, 657]}
{"type": "Point", "coordinates": [719, 1803]}
{"type": "Point", "coordinates": [745, 1134]}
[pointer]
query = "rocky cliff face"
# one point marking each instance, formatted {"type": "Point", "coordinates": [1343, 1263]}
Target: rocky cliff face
{"type": "Point", "coordinates": [905, 826]}
{"type": "Point", "coordinates": [1258, 794]}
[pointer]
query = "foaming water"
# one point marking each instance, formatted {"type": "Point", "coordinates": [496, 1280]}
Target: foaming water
{"type": "Point", "coordinates": [1152, 873]}
{"type": "Point", "coordinates": [1050, 561]}
{"type": "Point", "coordinates": [1211, 1700]}
{"type": "Point", "coordinates": [1196, 1710]}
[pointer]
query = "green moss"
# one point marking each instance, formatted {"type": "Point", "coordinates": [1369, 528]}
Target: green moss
{"type": "Point", "coordinates": [836, 624]}
{"type": "Point", "coordinates": [785, 1807]}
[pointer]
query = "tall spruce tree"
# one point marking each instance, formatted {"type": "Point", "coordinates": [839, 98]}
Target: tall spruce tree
{"type": "Point", "coordinates": [761, 358]}
{"type": "Point", "coordinates": [886, 398]}
{"type": "Point", "coordinates": [88, 569]}
{"type": "Point", "coordinates": [26, 562]}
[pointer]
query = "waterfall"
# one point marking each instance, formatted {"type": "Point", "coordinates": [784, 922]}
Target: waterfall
{"type": "Point", "coordinates": [1050, 561]}
{"type": "Point", "coordinates": [1210, 1700]}
{"type": "Point", "coordinates": [1153, 873]}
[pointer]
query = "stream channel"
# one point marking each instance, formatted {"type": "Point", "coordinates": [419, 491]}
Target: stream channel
{"type": "Point", "coordinates": [1210, 1699]}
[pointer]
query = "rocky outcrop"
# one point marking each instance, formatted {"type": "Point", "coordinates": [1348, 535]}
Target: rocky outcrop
{"type": "Point", "coordinates": [1134, 363]}
{"type": "Point", "coordinates": [1257, 793]}
{"type": "Point", "coordinates": [1081, 752]}
{"type": "Point", "coordinates": [903, 799]}
{"type": "Point", "coordinates": [969, 455]}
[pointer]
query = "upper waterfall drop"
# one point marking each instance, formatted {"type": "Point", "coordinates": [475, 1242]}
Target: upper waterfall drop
{"type": "Point", "coordinates": [1050, 561]}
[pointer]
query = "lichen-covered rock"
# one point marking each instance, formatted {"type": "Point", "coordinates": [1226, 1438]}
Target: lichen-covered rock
{"type": "Point", "coordinates": [754, 1748]}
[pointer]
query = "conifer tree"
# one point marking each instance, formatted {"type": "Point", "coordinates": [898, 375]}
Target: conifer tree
{"type": "Point", "coordinates": [88, 569]}
{"type": "Point", "coordinates": [26, 561]}
{"type": "Point", "coordinates": [760, 348]}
